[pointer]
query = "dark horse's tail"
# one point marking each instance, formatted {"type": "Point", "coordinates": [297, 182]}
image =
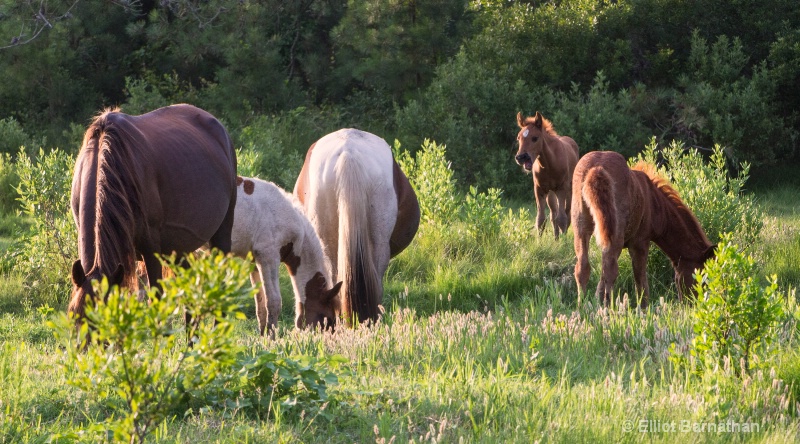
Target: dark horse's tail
{"type": "Point", "coordinates": [599, 197]}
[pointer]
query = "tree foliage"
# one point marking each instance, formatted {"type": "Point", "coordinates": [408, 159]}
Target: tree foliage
{"type": "Point", "coordinates": [609, 74]}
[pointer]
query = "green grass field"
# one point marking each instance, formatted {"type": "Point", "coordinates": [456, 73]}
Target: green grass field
{"type": "Point", "coordinates": [479, 343]}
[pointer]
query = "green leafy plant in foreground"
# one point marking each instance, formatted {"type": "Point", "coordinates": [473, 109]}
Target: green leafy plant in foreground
{"type": "Point", "coordinates": [46, 252]}
{"type": "Point", "coordinates": [735, 317]}
{"type": "Point", "coordinates": [134, 360]}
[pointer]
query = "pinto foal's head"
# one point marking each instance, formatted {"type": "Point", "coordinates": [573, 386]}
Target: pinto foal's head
{"type": "Point", "coordinates": [530, 138]}
{"type": "Point", "coordinates": [322, 306]}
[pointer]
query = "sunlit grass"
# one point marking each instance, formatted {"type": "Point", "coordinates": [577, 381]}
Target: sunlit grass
{"type": "Point", "coordinates": [481, 341]}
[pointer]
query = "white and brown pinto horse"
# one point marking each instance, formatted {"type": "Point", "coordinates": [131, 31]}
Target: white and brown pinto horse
{"type": "Point", "coordinates": [363, 209]}
{"type": "Point", "coordinates": [161, 182]}
{"type": "Point", "coordinates": [552, 159]}
{"type": "Point", "coordinates": [270, 223]}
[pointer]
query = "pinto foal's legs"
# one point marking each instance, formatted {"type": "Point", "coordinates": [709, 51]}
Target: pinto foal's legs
{"type": "Point", "coordinates": [268, 298]}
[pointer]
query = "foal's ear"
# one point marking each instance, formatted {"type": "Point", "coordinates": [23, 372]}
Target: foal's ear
{"type": "Point", "coordinates": [78, 276]}
{"type": "Point", "coordinates": [520, 120]}
{"type": "Point", "coordinates": [333, 292]}
{"type": "Point", "coordinates": [537, 120]}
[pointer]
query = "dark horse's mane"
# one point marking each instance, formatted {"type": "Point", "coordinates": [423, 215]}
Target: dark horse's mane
{"type": "Point", "coordinates": [662, 184]}
{"type": "Point", "coordinates": [117, 202]}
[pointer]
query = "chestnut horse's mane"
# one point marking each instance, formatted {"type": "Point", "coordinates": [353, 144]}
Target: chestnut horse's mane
{"type": "Point", "coordinates": [547, 125]}
{"type": "Point", "coordinates": [662, 184]}
{"type": "Point", "coordinates": [117, 201]}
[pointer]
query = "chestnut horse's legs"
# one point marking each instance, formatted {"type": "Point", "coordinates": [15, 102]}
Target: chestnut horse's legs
{"type": "Point", "coordinates": [540, 201]}
{"type": "Point", "coordinates": [609, 273]}
{"type": "Point", "coordinates": [639, 262]}
{"type": "Point", "coordinates": [559, 211]}
{"type": "Point", "coordinates": [582, 234]}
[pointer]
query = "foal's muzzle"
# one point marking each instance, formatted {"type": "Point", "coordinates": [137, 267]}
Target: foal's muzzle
{"type": "Point", "coordinates": [525, 160]}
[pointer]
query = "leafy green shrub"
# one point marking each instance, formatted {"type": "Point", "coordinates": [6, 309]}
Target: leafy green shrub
{"type": "Point", "coordinates": [471, 109]}
{"type": "Point", "coordinates": [599, 119]}
{"type": "Point", "coordinates": [274, 147]}
{"type": "Point", "coordinates": [469, 246]}
{"type": "Point", "coordinates": [266, 152]}
{"type": "Point", "coordinates": [9, 181]}
{"type": "Point", "coordinates": [440, 204]}
{"type": "Point", "coordinates": [432, 179]}
{"type": "Point", "coordinates": [45, 253]}
{"type": "Point", "coordinates": [735, 317]}
{"type": "Point", "coordinates": [733, 109]}
{"type": "Point", "coordinates": [134, 362]}
{"type": "Point", "coordinates": [12, 136]}
{"type": "Point", "coordinates": [152, 92]}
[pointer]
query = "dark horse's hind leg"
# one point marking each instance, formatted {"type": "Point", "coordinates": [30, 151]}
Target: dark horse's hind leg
{"type": "Point", "coordinates": [154, 271]}
{"type": "Point", "coordinates": [222, 241]}
{"type": "Point", "coordinates": [222, 238]}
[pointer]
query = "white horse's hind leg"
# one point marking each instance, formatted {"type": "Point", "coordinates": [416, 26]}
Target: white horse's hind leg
{"type": "Point", "coordinates": [383, 221]}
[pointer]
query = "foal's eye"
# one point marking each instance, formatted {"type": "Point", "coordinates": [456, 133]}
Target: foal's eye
{"type": "Point", "coordinates": [534, 139]}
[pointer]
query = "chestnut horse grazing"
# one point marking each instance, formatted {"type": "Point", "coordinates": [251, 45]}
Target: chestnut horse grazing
{"type": "Point", "coordinates": [270, 223]}
{"type": "Point", "coordinates": [552, 160]}
{"type": "Point", "coordinates": [628, 208]}
{"type": "Point", "coordinates": [363, 209]}
{"type": "Point", "coordinates": [161, 182]}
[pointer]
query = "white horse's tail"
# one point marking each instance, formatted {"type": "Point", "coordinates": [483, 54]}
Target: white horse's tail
{"type": "Point", "coordinates": [361, 285]}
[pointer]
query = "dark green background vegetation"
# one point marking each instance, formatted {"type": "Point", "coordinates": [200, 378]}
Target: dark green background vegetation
{"type": "Point", "coordinates": [281, 74]}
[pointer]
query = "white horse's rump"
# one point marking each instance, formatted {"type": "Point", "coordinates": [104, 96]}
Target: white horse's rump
{"type": "Point", "coordinates": [363, 209]}
{"type": "Point", "coordinates": [270, 223]}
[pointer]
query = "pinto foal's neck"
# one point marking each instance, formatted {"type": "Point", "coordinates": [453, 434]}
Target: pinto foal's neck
{"type": "Point", "coordinates": [305, 258]}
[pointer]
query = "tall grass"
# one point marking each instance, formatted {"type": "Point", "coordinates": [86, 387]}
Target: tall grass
{"type": "Point", "coordinates": [481, 341]}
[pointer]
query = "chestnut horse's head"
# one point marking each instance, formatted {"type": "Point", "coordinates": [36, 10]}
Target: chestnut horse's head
{"type": "Point", "coordinates": [685, 272]}
{"type": "Point", "coordinates": [530, 139]}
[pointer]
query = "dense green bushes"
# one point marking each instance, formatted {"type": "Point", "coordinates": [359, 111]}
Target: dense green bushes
{"type": "Point", "coordinates": [609, 74]}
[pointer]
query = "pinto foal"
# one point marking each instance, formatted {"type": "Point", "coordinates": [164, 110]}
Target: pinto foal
{"type": "Point", "coordinates": [270, 223]}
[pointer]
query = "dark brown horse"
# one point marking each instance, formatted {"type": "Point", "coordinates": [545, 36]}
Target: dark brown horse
{"type": "Point", "coordinates": [364, 210]}
{"type": "Point", "coordinates": [552, 160]}
{"type": "Point", "coordinates": [161, 182]}
{"type": "Point", "coordinates": [628, 208]}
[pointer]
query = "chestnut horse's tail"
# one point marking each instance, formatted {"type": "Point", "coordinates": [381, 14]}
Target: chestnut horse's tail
{"type": "Point", "coordinates": [361, 284]}
{"type": "Point", "coordinates": [599, 197]}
